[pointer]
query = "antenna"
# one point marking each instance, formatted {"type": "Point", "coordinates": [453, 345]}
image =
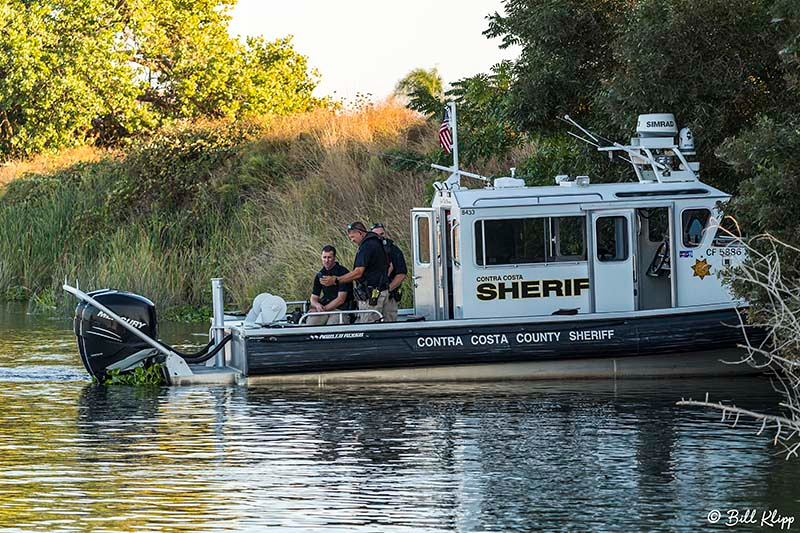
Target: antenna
{"type": "Point", "coordinates": [569, 120]}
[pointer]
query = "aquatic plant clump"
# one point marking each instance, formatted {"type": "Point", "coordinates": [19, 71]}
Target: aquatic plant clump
{"type": "Point", "coordinates": [151, 375]}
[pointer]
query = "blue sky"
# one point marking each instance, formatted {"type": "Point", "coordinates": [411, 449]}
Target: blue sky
{"type": "Point", "coordinates": [366, 46]}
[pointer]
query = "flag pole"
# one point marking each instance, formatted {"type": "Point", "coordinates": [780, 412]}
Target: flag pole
{"type": "Point", "coordinates": [454, 130]}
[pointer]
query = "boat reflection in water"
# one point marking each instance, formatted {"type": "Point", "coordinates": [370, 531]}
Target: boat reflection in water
{"type": "Point", "coordinates": [581, 455]}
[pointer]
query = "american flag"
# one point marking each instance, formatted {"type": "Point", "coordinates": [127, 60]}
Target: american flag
{"type": "Point", "coordinates": [445, 135]}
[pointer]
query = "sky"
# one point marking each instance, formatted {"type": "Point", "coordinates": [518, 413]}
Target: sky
{"type": "Point", "coordinates": [366, 46]}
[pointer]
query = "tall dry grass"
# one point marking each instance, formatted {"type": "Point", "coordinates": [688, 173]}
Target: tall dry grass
{"type": "Point", "coordinates": [344, 178]}
{"type": "Point", "coordinates": [50, 162]}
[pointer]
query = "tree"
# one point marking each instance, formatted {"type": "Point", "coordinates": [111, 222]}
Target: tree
{"type": "Point", "coordinates": [102, 69]}
{"type": "Point", "coordinates": [482, 100]}
{"type": "Point", "coordinates": [715, 64]}
{"type": "Point", "coordinates": [763, 157]}
{"type": "Point", "coordinates": [787, 17]}
{"type": "Point", "coordinates": [181, 51]}
{"type": "Point", "coordinates": [58, 71]}
{"type": "Point", "coordinates": [566, 53]}
{"type": "Point", "coordinates": [421, 86]}
{"type": "Point", "coordinates": [484, 115]}
{"type": "Point", "coordinates": [277, 79]}
{"type": "Point", "coordinates": [194, 69]}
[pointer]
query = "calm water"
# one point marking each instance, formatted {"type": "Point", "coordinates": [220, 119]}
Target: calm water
{"type": "Point", "coordinates": [564, 456]}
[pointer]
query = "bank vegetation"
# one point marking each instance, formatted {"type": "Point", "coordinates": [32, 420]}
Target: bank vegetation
{"type": "Point", "coordinates": [252, 201]}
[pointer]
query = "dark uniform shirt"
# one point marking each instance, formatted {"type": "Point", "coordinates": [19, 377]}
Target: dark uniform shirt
{"type": "Point", "coordinates": [396, 257]}
{"type": "Point", "coordinates": [372, 257]}
{"type": "Point", "coordinates": [329, 294]}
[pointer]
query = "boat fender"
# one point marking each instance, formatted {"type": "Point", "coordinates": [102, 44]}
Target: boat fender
{"type": "Point", "coordinates": [267, 308]}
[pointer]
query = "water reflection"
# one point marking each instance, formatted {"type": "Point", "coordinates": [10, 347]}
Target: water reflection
{"type": "Point", "coordinates": [591, 455]}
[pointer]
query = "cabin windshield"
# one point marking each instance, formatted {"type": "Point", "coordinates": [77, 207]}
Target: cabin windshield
{"type": "Point", "coordinates": [694, 225]}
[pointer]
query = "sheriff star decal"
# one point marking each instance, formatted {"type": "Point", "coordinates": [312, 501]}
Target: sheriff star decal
{"type": "Point", "coordinates": [701, 268]}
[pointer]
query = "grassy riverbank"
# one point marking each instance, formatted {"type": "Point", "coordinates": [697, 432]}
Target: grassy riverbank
{"type": "Point", "coordinates": [251, 201]}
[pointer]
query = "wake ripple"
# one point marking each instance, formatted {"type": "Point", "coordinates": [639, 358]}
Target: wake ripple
{"type": "Point", "coordinates": [46, 373]}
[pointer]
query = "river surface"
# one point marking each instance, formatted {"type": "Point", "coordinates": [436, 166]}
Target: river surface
{"type": "Point", "coordinates": [536, 456]}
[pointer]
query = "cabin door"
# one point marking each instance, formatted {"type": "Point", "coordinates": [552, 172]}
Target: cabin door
{"type": "Point", "coordinates": [613, 274]}
{"type": "Point", "coordinates": [424, 265]}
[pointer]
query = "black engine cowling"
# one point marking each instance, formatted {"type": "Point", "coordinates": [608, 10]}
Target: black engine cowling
{"type": "Point", "coordinates": [101, 340]}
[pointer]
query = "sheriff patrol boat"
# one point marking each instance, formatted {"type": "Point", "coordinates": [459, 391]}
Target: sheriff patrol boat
{"type": "Point", "coordinates": [573, 280]}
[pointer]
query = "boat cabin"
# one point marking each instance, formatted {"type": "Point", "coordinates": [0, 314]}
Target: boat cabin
{"type": "Point", "coordinates": [509, 250]}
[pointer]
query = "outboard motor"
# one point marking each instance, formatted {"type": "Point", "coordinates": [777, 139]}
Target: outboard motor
{"type": "Point", "coordinates": [107, 343]}
{"type": "Point", "coordinates": [102, 341]}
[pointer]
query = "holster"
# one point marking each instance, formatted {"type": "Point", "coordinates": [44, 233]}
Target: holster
{"type": "Point", "coordinates": [360, 292]}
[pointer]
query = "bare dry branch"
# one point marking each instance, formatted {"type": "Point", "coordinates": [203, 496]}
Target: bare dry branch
{"type": "Point", "coordinates": [779, 353]}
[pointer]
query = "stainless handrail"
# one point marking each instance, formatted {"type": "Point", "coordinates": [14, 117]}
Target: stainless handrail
{"type": "Point", "coordinates": [353, 312]}
{"type": "Point", "coordinates": [304, 303]}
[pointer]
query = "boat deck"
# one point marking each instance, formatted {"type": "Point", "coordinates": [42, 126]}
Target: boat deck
{"type": "Point", "coordinates": [208, 375]}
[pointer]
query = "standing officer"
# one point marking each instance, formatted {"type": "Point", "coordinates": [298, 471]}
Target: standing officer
{"type": "Point", "coordinates": [370, 272]}
{"type": "Point", "coordinates": [397, 272]}
{"type": "Point", "coordinates": [330, 298]}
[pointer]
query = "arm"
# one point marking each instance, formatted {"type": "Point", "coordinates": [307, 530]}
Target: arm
{"type": "Point", "coordinates": [353, 275]}
{"type": "Point", "coordinates": [399, 265]}
{"type": "Point", "coordinates": [315, 305]}
{"type": "Point", "coordinates": [334, 305]}
{"type": "Point", "coordinates": [397, 281]}
{"type": "Point", "coordinates": [316, 290]}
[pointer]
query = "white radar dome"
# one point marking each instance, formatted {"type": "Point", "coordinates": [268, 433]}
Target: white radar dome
{"type": "Point", "coordinates": [656, 125]}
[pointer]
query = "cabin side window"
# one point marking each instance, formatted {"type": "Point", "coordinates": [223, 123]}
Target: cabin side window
{"type": "Point", "coordinates": [694, 223]}
{"type": "Point", "coordinates": [568, 238]}
{"type": "Point", "coordinates": [423, 241]}
{"type": "Point", "coordinates": [514, 241]}
{"type": "Point", "coordinates": [612, 238]}
{"type": "Point", "coordinates": [479, 243]}
{"type": "Point", "coordinates": [529, 240]}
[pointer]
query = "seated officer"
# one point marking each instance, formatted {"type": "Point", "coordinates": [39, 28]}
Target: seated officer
{"type": "Point", "coordinates": [329, 298]}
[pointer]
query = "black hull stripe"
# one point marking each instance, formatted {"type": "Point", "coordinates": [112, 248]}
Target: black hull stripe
{"type": "Point", "coordinates": [454, 345]}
